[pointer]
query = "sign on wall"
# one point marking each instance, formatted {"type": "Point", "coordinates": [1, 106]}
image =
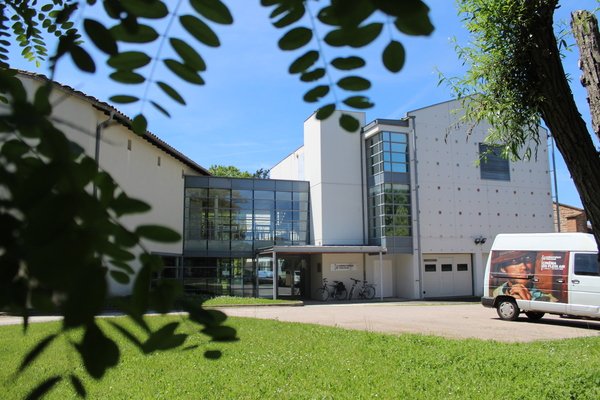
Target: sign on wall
{"type": "Point", "coordinates": [343, 267]}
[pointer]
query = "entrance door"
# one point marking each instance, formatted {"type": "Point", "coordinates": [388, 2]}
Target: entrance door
{"type": "Point", "coordinates": [292, 277]}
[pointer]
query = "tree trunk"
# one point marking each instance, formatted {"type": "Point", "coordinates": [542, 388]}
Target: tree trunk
{"type": "Point", "coordinates": [585, 30]}
{"type": "Point", "coordinates": [560, 113]}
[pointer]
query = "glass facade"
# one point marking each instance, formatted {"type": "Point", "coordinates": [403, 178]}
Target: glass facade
{"type": "Point", "coordinates": [389, 196]}
{"type": "Point", "coordinates": [225, 221]}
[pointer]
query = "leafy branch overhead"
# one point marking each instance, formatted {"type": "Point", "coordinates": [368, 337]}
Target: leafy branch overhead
{"type": "Point", "coordinates": [60, 240]}
{"type": "Point", "coordinates": [142, 26]}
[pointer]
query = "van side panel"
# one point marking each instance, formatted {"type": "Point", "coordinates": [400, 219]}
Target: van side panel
{"type": "Point", "coordinates": [537, 276]}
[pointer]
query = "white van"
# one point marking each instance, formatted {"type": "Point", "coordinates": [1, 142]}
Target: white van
{"type": "Point", "coordinates": [538, 273]}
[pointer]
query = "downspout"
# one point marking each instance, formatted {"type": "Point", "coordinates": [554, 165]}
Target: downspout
{"type": "Point", "coordinates": [99, 128]}
{"type": "Point", "coordinates": [416, 206]}
{"type": "Point", "coordinates": [362, 184]}
{"type": "Point", "coordinates": [555, 185]}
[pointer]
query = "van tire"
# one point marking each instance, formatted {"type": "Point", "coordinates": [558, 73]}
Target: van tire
{"type": "Point", "coordinates": [534, 316]}
{"type": "Point", "coordinates": [508, 310]}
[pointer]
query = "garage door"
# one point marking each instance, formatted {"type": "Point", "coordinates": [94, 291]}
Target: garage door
{"type": "Point", "coordinates": [447, 275]}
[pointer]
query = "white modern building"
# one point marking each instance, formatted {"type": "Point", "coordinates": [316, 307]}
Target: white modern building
{"type": "Point", "coordinates": [416, 188]}
{"type": "Point", "coordinates": [402, 203]}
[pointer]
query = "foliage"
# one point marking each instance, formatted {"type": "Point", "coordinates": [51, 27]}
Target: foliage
{"type": "Point", "coordinates": [278, 360]}
{"type": "Point", "coordinates": [516, 78]}
{"type": "Point", "coordinates": [493, 90]}
{"type": "Point", "coordinates": [59, 242]}
{"type": "Point", "coordinates": [262, 173]}
{"type": "Point", "coordinates": [228, 171]}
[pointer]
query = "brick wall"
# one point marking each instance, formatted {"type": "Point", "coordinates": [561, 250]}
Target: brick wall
{"type": "Point", "coordinates": [572, 219]}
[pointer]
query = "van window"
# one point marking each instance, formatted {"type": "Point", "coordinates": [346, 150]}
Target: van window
{"type": "Point", "coordinates": [587, 264]}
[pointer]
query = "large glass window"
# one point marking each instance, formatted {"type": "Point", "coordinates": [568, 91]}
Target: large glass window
{"type": "Point", "coordinates": [491, 163]}
{"type": "Point", "coordinates": [389, 202]}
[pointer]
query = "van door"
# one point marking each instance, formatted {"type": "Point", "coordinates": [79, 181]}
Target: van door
{"type": "Point", "coordinates": [584, 285]}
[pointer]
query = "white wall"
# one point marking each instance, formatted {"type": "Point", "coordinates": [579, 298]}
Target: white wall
{"type": "Point", "coordinates": [333, 166]}
{"type": "Point", "coordinates": [136, 170]}
{"type": "Point", "coordinates": [455, 204]}
{"type": "Point", "coordinates": [291, 167]}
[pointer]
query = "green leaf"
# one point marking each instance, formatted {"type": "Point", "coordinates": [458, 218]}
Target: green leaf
{"type": "Point", "coordinates": [394, 56]}
{"type": "Point", "coordinates": [160, 109]}
{"type": "Point", "coordinates": [124, 204]}
{"type": "Point", "coordinates": [142, 34]}
{"type": "Point", "coordinates": [157, 233]}
{"type": "Point", "coordinates": [354, 83]}
{"type": "Point", "coordinates": [128, 77]}
{"type": "Point", "coordinates": [154, 9]}
{"type": "Point", "coordinates": [120, 277]}
{"type": "Point", "coordinates": [129, 60]}
{"type": "Point", "coordinates": [190, 57]}
{"type": "Point", "coordinates": [199, 30]}
{"type": "Point", "coordinates": [78, 386]}
{"type": "Point", "coordinates": [40, 390]}
{"type": "Point", "coordinates": [213, 10]}
{"type": "Point", "coordinates": [413, 18]}
{"type": "Point", "coordinates": [172, 93]}
{"type": "Point", "coordinates": [164, 339]}
{"type": "Point", "coordinates": [221, 333]}
{"type": "Point", "coordinates": [35, 352]}
{"type": "Point", "coordinates": [82, 59]}
{"type": "Point", "coordinates": [313, 75]}
{"type": "Point", "coordinates": [292, 14]}
{"type": "Point", "coordinates": [122, 265]}
{"type": "Point", "coordinates": [316, 93]}
{"type": "Point", "coordinates": [184, 72]}
{"type": "Point", "coordinates": [349, 123]}
{"type": "Point", "coordinates": [101, 37]}
{"type": "Point", "coordinates": [139, 124]}
{"type": "Point", "coordinates": [354, 37]}
{"type": "Point", "coordinates": [97, 351]}
{"type": "Point", "coordinates": [348, 63]}
{"type": "Point", "coordinates": [325, 111]}
{"type": "Point", "coordinates": [41, 100]}
{"type": "Point", "coordinates": [304, 62]}
{"type": "Point", "coordinates": [164, 294]}
{"type": "Point", "coordinates": [360, 102]}
{"type": "Point", "coordinates": [123, 99]}
{"type": "Point", "coordinates": [295, 38]}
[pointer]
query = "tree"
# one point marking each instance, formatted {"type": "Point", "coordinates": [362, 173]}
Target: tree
{"type": "Point", "coordinates": [262, 173]}
{"type": "Point", "coordinates": [229, 171]}
{"type": "Point", "coordinates": [45, 209]}
{"type": "Point", "coordinates": [515, 78]}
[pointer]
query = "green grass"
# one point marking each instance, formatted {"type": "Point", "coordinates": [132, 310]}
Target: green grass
{"type": "Point", "coordinates": [243, 301]}
{"type": "Point", "coordinates": [276, 360]}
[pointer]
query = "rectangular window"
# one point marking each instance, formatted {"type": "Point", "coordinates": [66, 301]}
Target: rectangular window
{"type": "Point", "coordinates": [462, 267]}
{"type": "Point", "coordinates": [430, 268]}
{"type": "Point", "coordinates": [446, 267]}
{"type": "Point", "coordinates": [492, 165]}
{"type": "Point", "coordinates": [587, 264]}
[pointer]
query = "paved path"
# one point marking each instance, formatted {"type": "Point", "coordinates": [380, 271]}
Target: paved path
{"type": "Point", "coordinates": [452, 320]}
{"type": "Point", "coordinates": [461, 320]}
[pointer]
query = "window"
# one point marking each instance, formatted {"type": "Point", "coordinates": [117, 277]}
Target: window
{"type": "Point", "coordinates": [462, 267]}
{"type": "Point", "coordinates": [430, 268]}
{"type": "Point", "coordinates": [492, 165]}
{"type": "Point", "coordinates": [446, 267]}
{"type": "Point", "coordinates": [587, 264]}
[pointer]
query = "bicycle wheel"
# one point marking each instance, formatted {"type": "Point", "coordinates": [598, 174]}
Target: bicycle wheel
{"type": "Point", "coordinates": [341, 294]}
{"type": "Point", "coordinates": [322, 294]}
{"type": "Point", "coordinates": [351, 293]}
{"type": "Point", "coordinates": [369, 292]}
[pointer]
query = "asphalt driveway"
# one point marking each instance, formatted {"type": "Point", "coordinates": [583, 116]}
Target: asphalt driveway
{"type": "Point", "coordinates": [451, 320]}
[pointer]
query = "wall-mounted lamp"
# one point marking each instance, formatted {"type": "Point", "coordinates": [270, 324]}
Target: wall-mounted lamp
{"type": "Point", "coordinates": [480, 240]}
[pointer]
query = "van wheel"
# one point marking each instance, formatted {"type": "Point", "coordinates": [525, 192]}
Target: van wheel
{"type": "Point", "coordinates": [508, 310]}
{"type": "Point", "coordinates": [534, 316]}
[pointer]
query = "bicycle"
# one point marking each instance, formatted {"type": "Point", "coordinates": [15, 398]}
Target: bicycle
{"type": "Point", "coordinates": [337, 292]}
{"type": "Point", "coordinates": [366, 291]}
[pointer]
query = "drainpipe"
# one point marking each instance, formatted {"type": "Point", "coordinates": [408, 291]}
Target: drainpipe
{"type": "Point", "coordinates": [416, 205]}
{"type": "Point", "coordinates": [275, 275]}
{"type": "Point", "coordinates": [362, 184]}
{"type": "Point", "coordinates": [555, 185]}
{"type": "Point", "coordinates": [99, 128]}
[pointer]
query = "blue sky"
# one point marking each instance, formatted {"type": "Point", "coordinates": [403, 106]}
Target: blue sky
{"type": "Point", "coordinates": [250, 113]}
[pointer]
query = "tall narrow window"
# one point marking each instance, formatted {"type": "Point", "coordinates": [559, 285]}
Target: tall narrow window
{"type": "Point", "coordinates": [492, 165]}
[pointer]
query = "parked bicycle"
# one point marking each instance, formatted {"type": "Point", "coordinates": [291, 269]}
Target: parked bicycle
{"type": "Point", "coordinates": [338, 291]}
{"type": "Point", "coordinates": [365, 291]}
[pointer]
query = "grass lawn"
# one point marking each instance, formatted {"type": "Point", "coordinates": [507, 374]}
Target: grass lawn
{"type": "Point", "coordinates": [277, 360]}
